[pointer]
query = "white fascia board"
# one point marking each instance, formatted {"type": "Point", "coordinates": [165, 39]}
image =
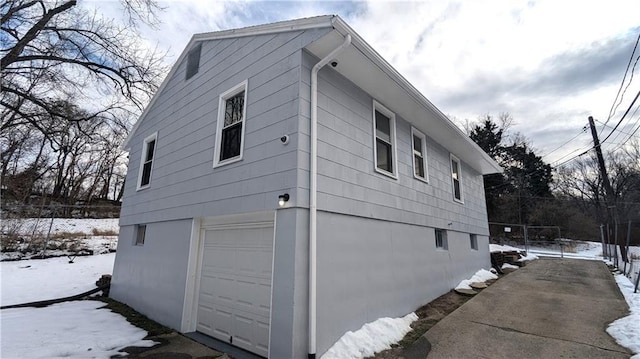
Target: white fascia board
{"type": "Point", "coordinates": [274, 28]}
{"type": "Point", "coordinates": [343, 28]}
{"type": "Point", "coordinates": [278, 27]}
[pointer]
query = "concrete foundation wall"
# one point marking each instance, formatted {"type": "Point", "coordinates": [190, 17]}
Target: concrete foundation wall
{"type": "Point", "coordinates": [151, 278]}
{"type": "Point", "coordinates": [369, 269]}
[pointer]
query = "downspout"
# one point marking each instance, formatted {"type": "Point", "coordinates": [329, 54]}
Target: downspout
{"type": "Point", "coordinates": [313, 187]}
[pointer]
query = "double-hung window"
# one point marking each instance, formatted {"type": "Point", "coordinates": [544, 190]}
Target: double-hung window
{"type": "Point", "coordinates": [420, 170]}
{"type": "Point", "coordinates": [384, 124]}
{"type": "Point", "coordinates": [230, 126]}
{"type": "Point", "coordinates": [146, 161]}
{"type": "Point", "coordinates": [455, 179]}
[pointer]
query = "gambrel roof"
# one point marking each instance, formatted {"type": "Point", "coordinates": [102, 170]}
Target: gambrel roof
{"type": "Point", "coordinates": [363, 66]}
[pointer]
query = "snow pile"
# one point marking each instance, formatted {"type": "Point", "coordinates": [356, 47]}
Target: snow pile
{"type": "Point", "coordinates": [77, 329]}
{"type": "Point", "coordinates": [482, 275]}
{"type": "Point", "coordinates": [497, 248]}
{"type": "Point", "coordinates": [528, 257]}
{"type": "Point", "coordinates": [626, 331]}
{"type": "Point", "coordinates": [509, 266]}
{"type": "Point", "coordinates": [372, 338]}
{"type": "Point", "coordinates": [42, 279]}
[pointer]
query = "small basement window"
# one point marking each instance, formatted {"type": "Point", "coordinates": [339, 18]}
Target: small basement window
{"type": "Point", "coordinates": [141, 230]}
{"type": "Point", "coordinates": [146, 161]}
{"type": "Point", "coordinates": [230, 127]}
{"type": "Point", "coordinates": [441, 239]}
{"type": "Point", "coordinates": [455, 179]}
{"type": "Point", "coordinates": [193, 61]}
{"type": "Point", "coordinates": [473, 241]}
{"type": "Point", "coordinates": [384, 132]}
{"type": "Point", "coordinates": [419, 142]}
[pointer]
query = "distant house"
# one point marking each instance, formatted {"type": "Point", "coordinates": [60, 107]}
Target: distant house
{"type": "Point", "coordinates": [242, 222]}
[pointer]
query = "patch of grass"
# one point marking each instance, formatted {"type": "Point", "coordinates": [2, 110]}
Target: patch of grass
{"type": "Point", "coordinates": [68, 235]}
{"type": "Point", "coordinates": [432, 313]}
{"type": "Point", "coordinates": [135, 318]}
{"type": "Point", "coordinates": [105, 232]}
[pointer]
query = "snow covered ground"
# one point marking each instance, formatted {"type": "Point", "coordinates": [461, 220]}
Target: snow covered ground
{"type": "Point", "coordinates": [626, 331]}
{"type": "Point", "coordinates": [77, 329]}
{"type": "Point", "coordinates": [71, 225]}
{"type": "Point", "coordinates": [68, 236]}
{"type": "Point", "coordinates": [41, 279]}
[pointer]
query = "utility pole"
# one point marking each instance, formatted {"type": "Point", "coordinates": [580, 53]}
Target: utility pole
{"type": "Point", "coordinates": [610, 198]}
{"type": "Point", "coordinates": [603, 169]}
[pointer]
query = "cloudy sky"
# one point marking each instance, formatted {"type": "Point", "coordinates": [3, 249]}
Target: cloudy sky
{"type": "Point", "coordinates": [548, 63]}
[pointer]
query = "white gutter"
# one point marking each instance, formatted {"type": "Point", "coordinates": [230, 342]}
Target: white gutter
{"type": "Point", "coordinates": [313, 189]}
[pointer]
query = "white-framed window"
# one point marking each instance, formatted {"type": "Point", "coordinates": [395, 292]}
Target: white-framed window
{"type": "Point", "coordinates": [384, 139]}
{"type": "Point", "coordinates": [141, 232]}
{"type": "Point", "coordinates": [232, 110]}
{"type": "Point", "coordinates": [146, 161]}
{"type": "Point", "coordinates": [441, 239]}
{"type": "Point", "coordinates": [419, 145]}
{"type": "Point", "coordinates": [193, 61]}
{"type": "Point", "coordinates": [456, 177]}
{"type": "Point", "coordinates": [473, 241]}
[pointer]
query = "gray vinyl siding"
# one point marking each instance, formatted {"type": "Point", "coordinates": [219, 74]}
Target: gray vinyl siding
{"type": "Point", "coordinates": [348, 182]}
{"type": "Point", "coordinates": [184, 183]}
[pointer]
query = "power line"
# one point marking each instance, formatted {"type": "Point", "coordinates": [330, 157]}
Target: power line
{"type": "Point", "coordinates": [611, 111]}
{"type": "Point", "coordinates": [632, 132]}
{"type": "Point", "coordinates": [584, 129]}
{"type": "Point", "coordinates": [633, 69]}
{"type": "Point", "coordinates": [583, 150]}
{"type": "Point", "coordinates": [621, 119]}
{"type": "Point", "coordinates": [605, 125]}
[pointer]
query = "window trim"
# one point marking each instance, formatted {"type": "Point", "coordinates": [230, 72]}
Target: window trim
{"type": "Point", "coordinates": [415, 132]}
{"type": "Point", "coordinates": [473, 241]}
{"type": "Point", "coordinates": [220, 124]}
{"type": "Point", "coordinates": [452, 159]}
{"type": "Point", "coordinates": [145, 146]}
{"type": "Point", "coordinates": [198, 49]}
{"type": "Point", "coordinates": [136, 235]}
{"type": "Point", "coordinates": [392, 126]}
{"type": "Point", "coordinates": [445, 240]}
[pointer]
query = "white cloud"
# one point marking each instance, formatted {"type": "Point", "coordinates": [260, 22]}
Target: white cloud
{"type": "Point", "coordinates": [522, 56]}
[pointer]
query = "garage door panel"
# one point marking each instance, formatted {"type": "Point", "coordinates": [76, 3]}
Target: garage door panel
{"type": "Point", "coordinates": [254, 261]}
{"type": "Point", "coordinates": [220, 259]}
{"type": "Point", "coordinates": [235, 293]}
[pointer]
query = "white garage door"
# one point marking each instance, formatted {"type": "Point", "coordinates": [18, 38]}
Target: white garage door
{"type": "Point", "coordinates": [234, 302]}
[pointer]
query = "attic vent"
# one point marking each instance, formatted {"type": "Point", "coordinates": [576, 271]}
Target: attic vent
{"type": "Point", "coordinates": [193, 61]}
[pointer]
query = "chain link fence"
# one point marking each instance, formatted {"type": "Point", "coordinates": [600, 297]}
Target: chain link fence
{"type": "Point", "coordinates": [28, 231]}
{"type": "Point", "coordinates": [629, 268]}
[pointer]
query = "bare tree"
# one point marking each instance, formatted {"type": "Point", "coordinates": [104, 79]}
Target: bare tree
{"type": "Point", "coordinates": [55, 51]}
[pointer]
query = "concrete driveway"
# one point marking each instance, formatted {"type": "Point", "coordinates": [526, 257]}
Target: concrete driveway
{"type": "Point", "coordinates": [552, 308]}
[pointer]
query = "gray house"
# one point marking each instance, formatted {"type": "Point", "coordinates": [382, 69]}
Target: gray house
{"type": "Point", "coordinates": [286, 185]}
